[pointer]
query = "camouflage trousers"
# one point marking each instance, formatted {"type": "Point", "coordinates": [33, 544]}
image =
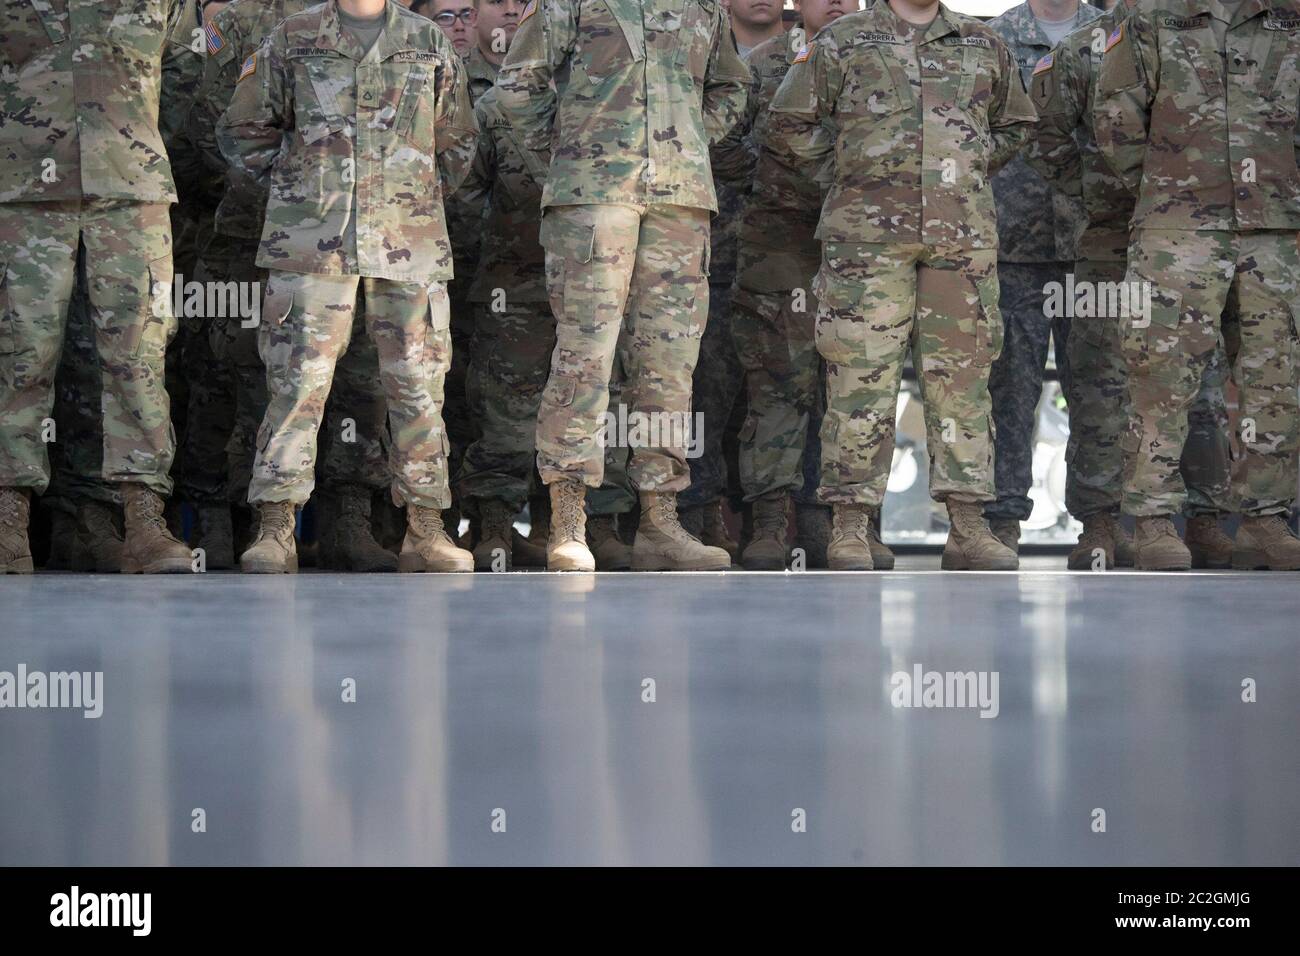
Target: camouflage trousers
{"type": "Point", "coordinates": [462, 419]}
{"type": "Point", "coordinates": [307, 323]}
{"type": "Point", "coordinates": [1204, 285]}
{"type": "Point", "coordinates": [508, 367]}
{"type": "Point", "coordinates": [775, 339]}
{"type": "Point", "coordinates": [1016, 379]}
{"type": "Point", "coordinates": [1099, 417]}
{"type": "Point", "coordinates": [717, 404]}
{"type": "Point", "coordinates": [353, 436]}
{"type": "Point", "coordinates": [633, 281]}
{"type": "Point", "coordinates": [878, 301]}
{"type": "Point", "coordinates": [128, 257]}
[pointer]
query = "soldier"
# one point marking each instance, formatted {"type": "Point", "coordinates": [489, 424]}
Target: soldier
{"type": "Point", "coordinates": [772, 320]}
{"type": "Point", "coordinates": [353, 114]}
{"type": "Point", "coordinates": [454, 17]}
{"type": "Point", "coordinates": [1064, 150]}
{"type": "Point", "coordinates": [1037, 230]}
{"type": "Point", "coordinates": [83, 163]}
{"type": "Point", "coordinates": [623, 149]}
{"type": "Point", "coordinates": [1214, 243]}
{"type": "Point", "coordinates": [352, 456]}
{"type": "Point", "coordinates": [717, 395]}
{"type": "Point", "coordinates": [916, 106]}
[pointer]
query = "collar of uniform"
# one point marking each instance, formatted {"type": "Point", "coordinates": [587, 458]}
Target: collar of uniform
{"type": "Point", "coordinates": [1028, 32]}
{"type": "Point", "coordinates": [331, 36]}
{"type": "Point", "coordinates": [891, 22]}
{"type": "Point", "coordinates": [479, 67]}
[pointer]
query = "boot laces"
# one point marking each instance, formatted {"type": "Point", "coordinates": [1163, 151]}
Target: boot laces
{"type": "Point", "coordinates": [666, 517]}
{"type": "Point", "coordinates": [852, 522]}
{"type": "Point", "coordinates": [276, 520]}
{"type": "Point", "coordinates": [427, 521]}
{"type": "Point", "coordinates": [148, 509]}
{"type": "Point", "coordinates": [572, 498]}
{"type": "Point", "coordinates": [11, 507]}
{"type": "Point", "coordinates": [496, 520]}
{"type": "Point", "coordinates": [770, 520]}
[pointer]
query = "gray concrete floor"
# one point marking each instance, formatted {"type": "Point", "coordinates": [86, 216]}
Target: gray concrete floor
{"type": "Point", "coordinates": [519, 698]}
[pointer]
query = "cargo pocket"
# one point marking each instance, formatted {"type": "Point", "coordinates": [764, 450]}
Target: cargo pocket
{"type": "Point", "coordinates": [988, 327]}
{"type": "Point", "coordinates": [570, 247]}
{"type": "Point", "coordinates": [841, 329]}
{"type": "Point", "coordinates": [157, 322]}
{"type": "Point", "coordinates": [1142, 337]}
{"type": "Point", "coordinates": [438, 341]}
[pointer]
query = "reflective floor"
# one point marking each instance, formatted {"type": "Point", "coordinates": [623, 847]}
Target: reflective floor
{"type": "Point", "coordinates": [509, 719]}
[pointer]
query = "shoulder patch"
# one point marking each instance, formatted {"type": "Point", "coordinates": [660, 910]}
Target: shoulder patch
{"type": "Point", "coordinates": [1115, 36]}
{"type": "Point", "coordinates": [248, 69]}
{"type": "Point", "coordinates": [216, 42]}
{"type": "Point", "coordinates": [528, 11]}
{"type": "Point", "coordinates": [804, 52]}
{"type": "Point", "coordinates": [1044, 64]}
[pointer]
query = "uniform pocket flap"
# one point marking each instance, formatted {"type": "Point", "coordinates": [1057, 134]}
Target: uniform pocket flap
{"type": "Point", "coordinates": [560, 235]}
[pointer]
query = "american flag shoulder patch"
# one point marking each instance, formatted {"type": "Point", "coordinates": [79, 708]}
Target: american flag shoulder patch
{"type": "Point", "coordinates": [249, 68]}
{"type": "Point", "coordinates": [528, 11]}
{"type": "Point", "coordinates": [216, 42]}
{"type": "Point", "coordinates": [804, 52]}
{"type": "Point", "coordinates": [1044, 64]}
{"type": "Point", "coordinates": [1115, 36]}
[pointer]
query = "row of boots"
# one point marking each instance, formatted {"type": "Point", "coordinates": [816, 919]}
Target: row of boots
{"type": "Point", "coordinates": [1263, 543]}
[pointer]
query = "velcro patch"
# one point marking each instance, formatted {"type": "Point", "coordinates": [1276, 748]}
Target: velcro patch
{"type": "Point", "coordinates": [249, 68]}
{"type": "Point", "coordinates": [1277, 23]}
{"type": "Point", "coordinates": [804, 52]}
{"type": "Point", "coordinates": [1044, 64]}
{"type": "Point", "coordinates": [415, 56]}
{"type": "Point", "coordinates": [879, 38]}
{"type": "Point", "coordinates": [1184, 23]}
{"type": "Point", "coordinates": [295, 51]}
{"type": "Point", "coordinates": [1115, 36]}
{"type": "Point", "coordinates": [968, 41]}
{"type": "Point", "coordinates": [216, 42]}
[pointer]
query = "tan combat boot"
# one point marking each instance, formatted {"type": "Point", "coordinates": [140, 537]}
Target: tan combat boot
{"type": "Point", "coordinates": [850, 547]}
{"type": "Point", "coordinates": [352, 544]}
{"type": "Point", "coordinates": [881, 556]}
{"type": "Point", "coordinates": [216, 536]}
{"type": "Point", "coordinates": [971, 545]}
{"type": "Point", "coordinates": [1006, 530]}
{"type": "Point", "coordinates": [63, 541]}
{"type": "Point", "coordinates": [274, 550]}
{"type": "Point", "coordinates": [99, 538]}
{"type": "Point", "coordinates": [1124, 553]}
{"type": "Point", "coordinates": [1207, 543]}
{"type": "Point", "coordinates": [715, 531]}
{"type": "Point", "coordinates": [1096, 539]}
{"type": "Point", "coordinates": [428, 546]}
{"type": "Point", "coordinates": [15, 513]}
{"type": "Point", "coordinates": [1266, 542]}
{"type": "Point", "coordinates": [496, 522]}
{"type": "Point", "coordinates": [1158, 546]}
{"type": "Point", "coordinates": [609, 550]}
{"type": "Point", "coordinates": [149, 548]}
{"type": "Point", "coordinates": [530, 552]}
{"type": "Point", "coordinates": [566, 546]}
{"type": "Point", "coordinates": [767, 550]}
{"type": "Point", "coordinates": [663, 545]}
{"type": "Point", "coordinates": [812, 532]}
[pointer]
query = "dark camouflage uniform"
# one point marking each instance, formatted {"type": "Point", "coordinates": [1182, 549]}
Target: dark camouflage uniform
{"type": "Point", "coordinates": [1038, 229]}
{"type": "Point", "coordinates": [915, 125]}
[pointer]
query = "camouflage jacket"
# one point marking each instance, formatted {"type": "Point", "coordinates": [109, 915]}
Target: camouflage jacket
{"type": "Point", "coordinates": [232, 36]}
{"type": "Point", "coordinates": [465, 213]}
{"type": "Point", "coordinates": [1203, 131]}
{"type": "Point", "coordinates": [1064, 146]}
{"type": "Point", "coordinates": [356, 150]}
{"type": "Point", "coordinates": [182, 72]}
{"type": "Point", "coordinates": [1035, 222]}
{"type": "Point", "coordinates": [778, 230]}
{"type": "Point", "coordinates": [644, 88]}
{"type": "Point", "coordinates": [512, 258]}
{"type": "Point", "coordinates": [80, 87]}
{"type": "Point", "coordinates": [915, 129]}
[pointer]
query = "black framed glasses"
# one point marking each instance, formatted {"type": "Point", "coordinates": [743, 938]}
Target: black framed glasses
{"type": "Point", "coordinates": [448, 17]}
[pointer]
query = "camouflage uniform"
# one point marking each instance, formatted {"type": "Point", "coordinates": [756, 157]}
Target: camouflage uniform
{"type": "Point", "coordinates": [773, 308]}
{"type": "Point", "coordinates": [1064, 150]}
{"type": "Point", "coordinates": [465, 224]}
{"type": "Point", "coordinates": [354, 150]}
{"type": "Point", "coordinates": [229, 257]}
{"type": "Point", "coordinates": [1037, 231]}
{"type": "Point", "coordinates": [83, 163]}
{"type": "Point", "coordinates": [627, 199]}
{"type": "Point", "coordinates": [1214, 231]}
{"type": "Point", "coordinates": [912, 122]}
